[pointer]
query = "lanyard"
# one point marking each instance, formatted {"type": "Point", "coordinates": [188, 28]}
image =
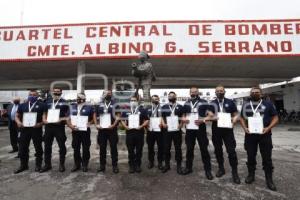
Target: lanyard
{"type": "Point", "coordinates": [106, 106]}
{"type": "Point", "coordinates": [255, 110]}
{"type": "Point", "coordinates": [30, 108]}
{"type": "Point", "coordinates": [221, 105]}
{"type": "Point", "coordinates": [193, 105]}
{"type": "Point", "coordinates": [79, 108]}
{"type": "Point", "coordinates": [55, 104]}
{"type": "Point", "coordinates": [134, 110]}
{"type": "Point", "coordinates": [173, 109]}
{"type": "Point", "coordinates": [154, 110]}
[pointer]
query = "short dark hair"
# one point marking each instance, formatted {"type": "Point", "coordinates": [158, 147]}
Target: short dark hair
{"type": "Point", "coordinates": [57, 88]}
{"type": "Point", "coordinates": [194, 87]}
{"type": "Point", "coordinates": [220, 85]}
{"type": "Point", "coordinates": [172, 93]}
{"type": "Point", "coordinates": [256, 88]}
{"type": "Point", "coordinates": [33, 90]}
{"type": "Point", "coordinates": [135, 97]}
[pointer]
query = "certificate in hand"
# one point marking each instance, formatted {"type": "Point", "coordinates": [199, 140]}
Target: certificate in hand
{"type": "Point", "coordinates": [105, 120]}
{"type": "Point", "coordinates": [80, 122]}
{"type": "Point", "coordinates": [133, 121]}
{"type": "Point", "coordinates": [29, 119]}
{"type": "Point", "coordinates": [255, 125]}
{"type": "Point", "coordinates": [224, 120]}
{"type": "Point", "coordinates": [172, 122]}
{"type": "Point", "coordinates": [154, 124]}
{"type": "Point", "coordinates": [53, 115]}
{"type": "Point", "coordinates": [192, 117]}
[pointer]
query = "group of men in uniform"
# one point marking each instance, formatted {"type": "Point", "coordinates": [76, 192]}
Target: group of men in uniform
{"type": "Point", "coordinates": [162, 124]}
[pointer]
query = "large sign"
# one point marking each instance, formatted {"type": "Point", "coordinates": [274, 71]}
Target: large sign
{"type": "Point", "coordinates": [159, 39]}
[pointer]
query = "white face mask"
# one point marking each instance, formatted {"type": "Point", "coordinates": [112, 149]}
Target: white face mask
{"type": "Point", "coordinates": [133, 103]}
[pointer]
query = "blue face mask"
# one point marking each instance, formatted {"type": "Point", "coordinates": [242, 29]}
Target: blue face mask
{"type": "Point", "coordinates": [32, 99]}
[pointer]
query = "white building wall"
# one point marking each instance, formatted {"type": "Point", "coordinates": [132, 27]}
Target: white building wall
{"type": "Point", "coordinates": [291, 97]}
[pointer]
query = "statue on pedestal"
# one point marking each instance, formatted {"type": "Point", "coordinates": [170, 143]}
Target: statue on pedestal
{"type": "Point", "coordinates": [145, 74]}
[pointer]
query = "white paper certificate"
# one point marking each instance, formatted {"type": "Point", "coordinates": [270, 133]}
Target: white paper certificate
{"type": "Point", "coordinates": [224, 120]}
{"type": "Point", "coordinates": [133, 121]}
{"type": "Point", "coordinates": [29, 119]}
{"type": "Point", "coordinates": [192, 117]}
{"type": "Point", "coordinates": [154, 124]}
{"type": "Point", "coordinates": [105, 120]}
{"type": "Point", "coordinates": [53, 115]}
{"type": "Point", "coordinates": [255, 125]}
{"type": "Point", "coordinates": [172, 122]}
{"type": "Point", "coordinates": [80, 122]}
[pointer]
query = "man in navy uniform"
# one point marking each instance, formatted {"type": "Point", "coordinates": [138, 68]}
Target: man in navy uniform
{"type": "Point", "coordinates": [155, 135]}
{"type": "Point", "coordinates": [107, 107]}
{"type": "Point", "coordinates": [172, 111]}
{"type": "Point", "coordinates": [55, 129]}
{"type": "Point", "coordinates": [81, 133]}
{"type": "Point", "coordinates": [254, 112]}
{"type": "Point", "coordinates": [200, 107]}
{"type": "Point", "coordinates": [29, 120]}
{"type": "Point", "coordinates": [134, 120]}
{"type": "Point", "coordinates": [12, 125]}
{"type": "Point", "coordinates": [224, 134]}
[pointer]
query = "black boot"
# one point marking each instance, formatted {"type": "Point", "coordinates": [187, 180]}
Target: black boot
{"type": "Point", "coordinates": [85, 167]}
{"type": "Point", "coordinates": [208, 175]}
{"type": "Point", "coordinates": [38, 167]}
{"type": "Point", "coordinates": [101, 168]}
{"type": "Point", "coordinates": [160, 166]}
{"type": "Point", "coordinates": [46, 168]}
{"type": "Point", "coordinates": [131, 169]}
{"type": "Point", "coordinates": [166, 167]}
{"type": "Point", "coordinates": [179, 168]}
{"type": "Point", "coordinates": [21, 169]}
{"type": "Point", "coordinates": [138, 169]}
{"type": "Point", "coordinates": [220, 172]}
{"type": "Point", "coordinates": [115, 169]}
{"type": "Point", "coordinates": [269, 182]}
{"type": "Point", "coordinates": [150, 164]}
{"type": "Point", "coordinates": [62, 166]}
{"type": "Point", "coordinates": [235, 177]}
{"type": "Point", "coordinates": [250, 178]}
{"type": "Point", "coordinates": [76, 167]}
{"type": "Point", "coordinates": [188, 169]}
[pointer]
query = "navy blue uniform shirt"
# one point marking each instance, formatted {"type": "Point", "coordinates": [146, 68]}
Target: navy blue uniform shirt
{"type": "Point", "coordinates": [141, 111]}
{"type": "Point", "coordinates": [166, 111]}
{"type": "Point", "coordinates": [86, 110]}
{"type": "Point", "coordinates": [201, 106]}
{"type": "Point", "coordinates": [39, 108]}
{"type": "Point", "coordinates": [62, 105]}
{"type": "Point", "coordinates": [157, 111]}
{"type": "Point", "coordinates": [266, 110]}
{"type": "Point", "coordinates": [228, 107]}
{"type": "Point", "coordinates": [112, 109]}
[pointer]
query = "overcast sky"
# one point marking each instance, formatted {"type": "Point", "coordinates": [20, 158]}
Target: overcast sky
{"type": "Point", "coordinates": [78, 11]}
